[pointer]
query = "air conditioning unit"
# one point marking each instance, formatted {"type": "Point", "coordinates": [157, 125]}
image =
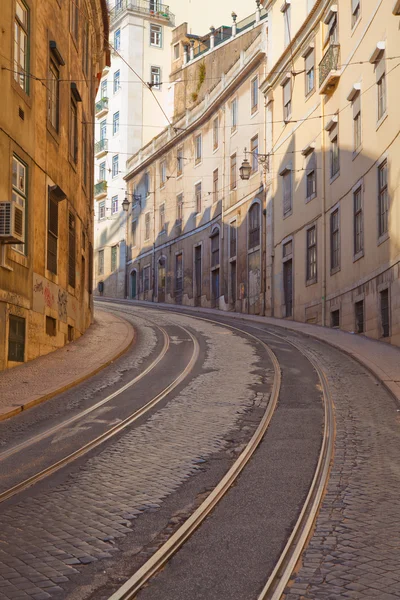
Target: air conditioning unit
{"type": "Point", "coordinates": [11, 223]}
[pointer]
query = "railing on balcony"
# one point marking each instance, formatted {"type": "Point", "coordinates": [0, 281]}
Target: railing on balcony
{"type": "Point", "coordinates": [101, 105]}
{"type": "Point", "coordinates": [100, 188]}
{"type": "Point", "coordinates": [148, 7]}
{"type": "Point", "coordinates": [330, 62]}
{"type": "Point", "coordinates": [101, 146]}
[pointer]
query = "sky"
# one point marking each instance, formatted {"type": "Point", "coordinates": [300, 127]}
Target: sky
{"type": "Point", "coordinates": [201, 14]}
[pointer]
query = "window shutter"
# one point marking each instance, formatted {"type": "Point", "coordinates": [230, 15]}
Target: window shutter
{"type": "Point", "coordinates": [286, 92]}
{"type": "Point", "coordinates": [310, 60]}
{"type": "Point", "coordinates": [71, 249]}
{"type": "Point", "coordinates": [380, 68]}
{"type": "Point", "coordinates": [356, 105]}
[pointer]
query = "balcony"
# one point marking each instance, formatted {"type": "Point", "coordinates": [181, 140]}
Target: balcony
{"type": "Point", "coordinates": [101, 148]}
{"type": "Point", "coordinates": [151, 8]}
{"type": "Point", "coordinates": [101, 107]}
{"type": "Point", "coordinates": [100, 189]}
{"type": "Point", "coordinates": [329, 69]}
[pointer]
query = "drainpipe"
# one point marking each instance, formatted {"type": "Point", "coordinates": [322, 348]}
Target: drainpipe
{"type": "Point", "coordinates": [234, 26]}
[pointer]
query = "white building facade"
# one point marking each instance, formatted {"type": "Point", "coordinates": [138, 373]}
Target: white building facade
{"type": "Point", "coordinates": [127, 117]}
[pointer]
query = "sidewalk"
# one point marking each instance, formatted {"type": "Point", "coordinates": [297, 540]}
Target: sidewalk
{"type": "Point", "coordinates": [380, 358]}
{"type": "Point", "coordinates": [40, 379]}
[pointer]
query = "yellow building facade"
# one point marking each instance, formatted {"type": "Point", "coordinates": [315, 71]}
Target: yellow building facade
{"type": "Point", "coordinates": [51, 55]}
{"type": "Point", "coordinates": [332, 128]}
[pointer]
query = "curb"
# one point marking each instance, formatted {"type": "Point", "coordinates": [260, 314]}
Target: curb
{"type": "Point", "coordinates": [71, 384]}
{"type": "Point", "coordinates": [377, 373]}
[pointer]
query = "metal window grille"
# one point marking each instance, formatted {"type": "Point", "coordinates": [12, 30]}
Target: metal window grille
{"type": "Point", "coordinates": [198, 197]}
{"type": "Point", "coordinates": [311, 254]}
{"type": "Point", "coordinates": [335, 240]}
{"type": "Point", "coordinates": [358, 221]}
{"type": "Point", "coordinates": [359, 314]}
{"type": "Point", "coordinates": [254, 226]}
{"type": "Point", "coordinates": [383, 199]}
{"type": "Point", "coordinates": [52, 235]}
{"type": "Point", "coordinates": [16, 339]}
{"type": "Point", "coordinates": [385, 317]}
{"type": "Point", "coordinates": [71, 249]}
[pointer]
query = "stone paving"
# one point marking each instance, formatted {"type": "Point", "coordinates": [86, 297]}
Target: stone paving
{"type": "Point", "coordinates": [47, 535]}
{"type": "Point", "coordinates": [354, 551]}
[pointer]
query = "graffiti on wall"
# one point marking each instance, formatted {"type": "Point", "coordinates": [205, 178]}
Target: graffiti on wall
{"type": "Point", "coordinates": [62, 304]}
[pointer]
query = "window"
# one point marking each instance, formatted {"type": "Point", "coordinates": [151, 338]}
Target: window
{"type": "Point", "coordinates": [335, 318]}
{"type": "Point", "coordinates": [73, 131]}
{"type": "Point", "coordinates": [70, 333]}
{"type": "Point", "coordinates": [147, 226]}
{"type": "Point", "coordinates": [19, 196]}
{"type": "Point", "coordinates": [52, 234]}
{"type": "Point", "coordinates": [215, 185]}
{"type": "Point", "coordinates": [113, 258]}
{"type": "Point", "coordinates": [71, 249]}
{"type": "Point", "coordinates": [21, 45]}
{"type": "Point", "coordinates": [155, 78]}
{"type": "Point", "coordinates": [254, 153]}
{"type": "Point", "coordinates": [331, 30]}
{"type": "Point", "coordinates": [215, 133]}
{"type": "Point", "coordinates": [53, 91]}
{"type": "Point", "coordinates": [134, 233]}
{"type": "Point", "coordinates": [115, 123]}
{"type": "Point", "coordinates": [312, 255]}
{"type": "Point", "coordinates": [101, 263]}
{"type": "Point", "coordinates": [358, 221]}
{"type": "Point", "coordinates": [162, 218]}
{"type": "Point", "coordinates": [287, 23]}
{"type": "Point", "coordinates": [287, 191]}
{"type": "Point", "coordinates": [16, 339]}
{"type": "Point", "coordinates": [197, 193]}
{"type": "Point", "coordinates": [357, 121]}
{"type": "Point", "coordinates": [146, 279]}
{"type": "Point", "coordinates": [179, 159]}
{"type": "Point", "coordinates": [103, 130]}
{"type": "Point", "coordinates": [215, 248]}
{"type": "Point", "coordinates": [155, 35]}
{"type": "Point", "coordinates": [254, 94]}
{"type": "Point", "coordinates": [102, 171]}
{"type": "Point", "coordinates": [85, 48]}
{"type": "Point", "coordinates": [147, 183]}
{"type": "Point", "coordinates": [75, 10]}
{"type": "Point", "coordinates": [116, 82]}
{"type": "Point", "coordinates": [117, 39]}
{"type": "Point", "coordinates": [383, 199]}
{"type": "Point", "coordinates": [254, 225]}
{"type": "Point", "coordinates": [310, 71]}
{"type": "Point", "coordinates": [311, 184]}
{"type": "Point", "coordinates": [355, 11]}
{"type": "Point", "coordinates": [103, 89]}
{"type": "Point", "coordinates": [359, 315]}
{"type": "Point", "coordinates": [114, 205]}
{"type": "Point", "coordinates": [102, 210]}
{"type": "Point", "coordinates": [233, 172]}
{"type": "Point", "coordinates": [115, 168]}
{"type": "Point", "coordinates": [381, 96]}
{"type": "Point", "coordinates": [287, 100]}
{"type": "Point", "coordinates": [234, 115]}
{"type": "Point", "coordinates": [335, 240]}
{"type": "Point", "coordinates": [179, 208]}
{"type": "Point", "coordinates": [163, 173]}
{"type": "Point", "coordinates": [198, 148]}
{"type": "Point", "coordinates": [176, 51]}
{"type": "Point", "coordinates": [385, 316]}
{"type": "Point", "coordinates": [335, 164]}
{"type": "Point", "coordinates": [232, 239]}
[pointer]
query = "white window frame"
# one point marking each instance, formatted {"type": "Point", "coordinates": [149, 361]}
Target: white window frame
{"type": "Point", "coordinates": [156, 35]}
{"type": "Point", "coordinates": [114, 205]}
{"type": "Point", "coordinates": [20, 196]}
{"type": "Point", "coordinates": [155, 77]}
{"type": "Point", "coordinates": [254, 95]}
{"type": "Point", "coordinates": [115, 162]}
{"type": "Point", "coordinates": [116, 81]}
{"type": "Point", "coordinates": [198, 148]}
{"type": "Point", "coordinates": [116, 123]}
{"type": "Point", "coordinates": [117, 39]}
{"type": "Point", "coordinates": [234, 115]}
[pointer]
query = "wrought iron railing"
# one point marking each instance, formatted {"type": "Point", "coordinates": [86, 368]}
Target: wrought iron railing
{"type": "Point", "coordinates": [100, 188]}
{"type": "Point", "coordinates": [101, 146]}
{"type": "Point", "coordinates": [149, 7]}
{"type": "Point", "coordinates": [101, 105]}
{"type": "Point", "coordinates": [330, 62]}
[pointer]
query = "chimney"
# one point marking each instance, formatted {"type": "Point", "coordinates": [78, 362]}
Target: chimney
{"type": "Point", "coordinates": [234, 26]}
{"type": "Point", "coordinates": [258, 11]}
{"type": "Point", "coordinates": [191, 49]}
{"type": "Point", "coordinates": [212, 37]}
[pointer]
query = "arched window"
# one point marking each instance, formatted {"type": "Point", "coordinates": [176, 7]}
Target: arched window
{"type": "Point", "coordinates": [254, 225]}
{"type": "Point", "coordinates": [215, 247]}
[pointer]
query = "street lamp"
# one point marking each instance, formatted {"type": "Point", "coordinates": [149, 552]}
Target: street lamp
{"type": "Point", "coordinates": [125, 204]}
{"type": "Point", "coordinates": [245, 169]}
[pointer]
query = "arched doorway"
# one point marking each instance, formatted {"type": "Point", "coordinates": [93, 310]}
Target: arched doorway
{"type": "Point", "coordinates": [133, 284]}
{"type": "Point", "coordinates": [161, 279]}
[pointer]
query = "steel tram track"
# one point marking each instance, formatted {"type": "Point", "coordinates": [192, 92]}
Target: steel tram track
{"type": "Point", "coordinates": [285, 566]}
{"type": "Point", "coordinates": [113, 430]}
